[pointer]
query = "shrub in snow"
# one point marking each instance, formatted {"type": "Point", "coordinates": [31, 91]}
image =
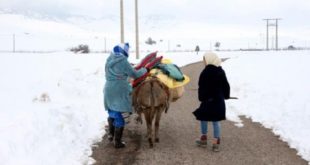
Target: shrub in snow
{"type": "Point", "coordinates": [80, 49]}
{"type": "Point", "coordinates": [44, 97]}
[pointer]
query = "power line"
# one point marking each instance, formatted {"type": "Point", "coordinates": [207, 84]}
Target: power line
{"type": "Point", "coordinates": [268, 24]}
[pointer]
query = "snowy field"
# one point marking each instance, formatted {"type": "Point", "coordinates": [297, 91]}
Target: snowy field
{"type": "Point", "coordinates": [52, 111]}
{"type": "Point", "coordinates": [273, 89]}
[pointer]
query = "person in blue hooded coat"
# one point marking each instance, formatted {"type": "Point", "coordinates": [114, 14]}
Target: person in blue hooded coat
{"type": "Point", "coordinates": [213, 89]}
{"type": "Point", "coordinates": [117, 91]}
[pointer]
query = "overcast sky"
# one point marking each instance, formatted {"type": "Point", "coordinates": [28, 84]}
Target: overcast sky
{"type": "Point", "coordinates": [212, 19]}
{"type": "Point", "coordinates": [221, 11]}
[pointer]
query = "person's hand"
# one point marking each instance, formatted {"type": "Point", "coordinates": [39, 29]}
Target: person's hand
{"type": "Point", "coordinates": [126, 116]}
{"type": "Point", "coordinates": [130, 80]}
{"type": "Point", "coordinates": [148, 69]}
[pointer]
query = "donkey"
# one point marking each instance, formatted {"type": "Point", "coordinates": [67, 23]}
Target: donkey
{"type": "Point", "coordinates": [151, 98]}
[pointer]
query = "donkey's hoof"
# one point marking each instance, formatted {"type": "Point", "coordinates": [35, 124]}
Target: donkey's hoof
{"type": "Point", "coordinates": [151, 143]}
{"type": "Point", "coordinates": [156, 140]}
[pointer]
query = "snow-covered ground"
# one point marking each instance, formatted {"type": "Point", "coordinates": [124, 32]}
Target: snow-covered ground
{"type": "Point", "coordinates": [52, 111]}
{"type": "Point", "coordinates": [273, 89]}
{"type": "Point", "coordinates": [56, 130]}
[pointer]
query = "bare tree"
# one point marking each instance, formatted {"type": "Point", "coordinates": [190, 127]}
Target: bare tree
{"type": "Point", "coordinates": [217, 45]}
{"type": "Point", "coordinates": [150, 41]}
{"type": "Point", "coordinates": [197, 49]}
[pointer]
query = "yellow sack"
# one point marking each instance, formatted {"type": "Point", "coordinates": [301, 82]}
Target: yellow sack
{"type": "Point", "coordinates": [166, 61]}
{"type": "Point", "coordinates": [176, 88]}
{"type": "Point", "coordinates": [168, 81]}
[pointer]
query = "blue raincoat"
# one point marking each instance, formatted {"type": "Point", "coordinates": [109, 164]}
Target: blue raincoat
{"type": "Point", "coordinates": [117, 90]}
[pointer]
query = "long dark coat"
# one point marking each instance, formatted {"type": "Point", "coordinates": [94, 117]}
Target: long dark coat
{"type": "Point", "coordinates": [212, 92]}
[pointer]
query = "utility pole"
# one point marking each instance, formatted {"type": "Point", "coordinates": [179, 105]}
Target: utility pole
{"type": "Point", "coordinates": [168, 45]}
{"type": "Point", "coordinates": [13, 43]}
{"type": "Point", "coordinates": [276, 34]}
{"type": "Point", "coordinates": [276, 31]}
{"type": "Point", "coordinates": [122, 21]}
{"type": "Point", "coordinates": [105, 45]}
{"type": "Point", "coordinates": [267, 36]}
{"type": "Point", "coordinates": [210, 46]}
{"type": "Point", "coordinates": [137, 29]}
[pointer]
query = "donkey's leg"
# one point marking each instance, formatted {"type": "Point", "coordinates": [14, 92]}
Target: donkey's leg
{"type": "Point", "coordinates": [138, 118]}
{"type": "Point", "coordinates": [148, 120]}
{"type": "Point", "coordinates": [157, 120]}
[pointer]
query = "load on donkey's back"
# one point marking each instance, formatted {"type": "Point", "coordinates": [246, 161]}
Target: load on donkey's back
{"type": "Point", "coordinates": [167, 72]}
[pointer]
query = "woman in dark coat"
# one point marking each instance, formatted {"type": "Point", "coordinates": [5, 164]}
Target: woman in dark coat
{"type": "Point", "coordinates": [213, 90]}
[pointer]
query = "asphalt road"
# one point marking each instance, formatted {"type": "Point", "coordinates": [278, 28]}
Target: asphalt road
{"type": "Point", "coordinates": [251, 144]}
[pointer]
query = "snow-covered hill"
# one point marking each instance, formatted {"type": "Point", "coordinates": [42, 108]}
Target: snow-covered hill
{"type": "Point", "coordinates": [38, 32]}
{"type": "Point", "coordinates": [32, 33]}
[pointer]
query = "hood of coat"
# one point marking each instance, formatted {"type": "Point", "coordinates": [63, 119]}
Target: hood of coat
{"type": "Point", "coordinates": [211, 58]}
{"type": "Point", "coordinates": [121, 49]}
{"type": "Point", "coordinates": [114, 59]}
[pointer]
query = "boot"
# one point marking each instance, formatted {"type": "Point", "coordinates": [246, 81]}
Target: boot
{"type": "Point", "coordinates": [216, 145]}
{"type": "Point", "coordinates": [111, 129]}
{"type": "Point", "coordinates": [118, 143]}
{"type": "Point", "coordinates": [202, 142]}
